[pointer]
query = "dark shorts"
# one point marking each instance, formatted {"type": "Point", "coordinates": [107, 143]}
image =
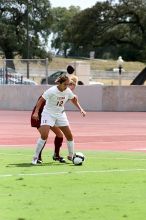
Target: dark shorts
{"type": "Point", "coordinates": [36, 123]}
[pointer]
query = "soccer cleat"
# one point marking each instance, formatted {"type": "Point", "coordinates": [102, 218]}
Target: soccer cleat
{"type": "Point", "coordinates": [70, 158]}
{"type": "Point", "coordinates": [60, 159]}
{"type": "Point", "coordinates": [34, 160]}
{"type": "Point", "coordinates": [39, 161]}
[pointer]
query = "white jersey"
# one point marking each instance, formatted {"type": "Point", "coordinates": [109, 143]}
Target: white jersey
{"type": "Point", "coordinates": [55, 99]}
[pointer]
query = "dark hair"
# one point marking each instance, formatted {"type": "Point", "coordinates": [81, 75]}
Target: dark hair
{"type": "Point", "coordinates": [70, 69]}
{"type": "Point", "coordinates": [80, 83]}
{"type": "Point", "coordinates": [61, 79]}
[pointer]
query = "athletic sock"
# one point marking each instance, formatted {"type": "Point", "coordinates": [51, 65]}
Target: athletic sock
{"type": "Point", "coordinates": [58, 143]}
{"type": "Point", "coordinates": [39, 145]}
{"type": "Point", "coordinates": [40, 154]}
{"type": "Point", "coordinates": [70, 145]}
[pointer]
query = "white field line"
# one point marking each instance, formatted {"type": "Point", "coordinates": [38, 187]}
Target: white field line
{"type": "Point", "coordinates": [73, 172]}
{"type": "Point", "coordinates": [117, 158]}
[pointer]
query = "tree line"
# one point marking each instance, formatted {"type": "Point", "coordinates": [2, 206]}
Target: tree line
{"type": "Point", "coordinates": [110, 28]}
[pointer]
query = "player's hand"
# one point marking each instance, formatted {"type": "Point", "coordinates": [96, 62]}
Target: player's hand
{"type": "Point", "coordinates": [35, 116]}
{"type": "Point", "coordinates": [83, 112]}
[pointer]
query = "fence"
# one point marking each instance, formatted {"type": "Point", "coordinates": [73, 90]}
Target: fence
{"type": "Point", "coordinates": [113, 77]}
{"type": "Point", "coordinates": [22, 71]}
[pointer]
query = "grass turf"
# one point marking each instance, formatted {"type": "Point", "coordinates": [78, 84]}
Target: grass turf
{"type": "Point", "coordinates": [108, 186]}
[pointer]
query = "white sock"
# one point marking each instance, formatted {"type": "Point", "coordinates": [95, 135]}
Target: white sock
{"type": "Point", "coordinates": [39, 145]}
{"type": "Point", "coordinates": [70, 145]}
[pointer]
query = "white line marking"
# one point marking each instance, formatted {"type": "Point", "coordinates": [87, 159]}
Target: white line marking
{"type": "Point", "coordinates": [73, 172]}
{"type": "Point", "coordinates": [112, 170]}
{"type": "Point", "coordinates": [114, 158]}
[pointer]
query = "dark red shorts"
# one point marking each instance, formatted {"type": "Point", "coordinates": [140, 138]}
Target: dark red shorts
{"type": "Point", "coordinates": [36, 123]}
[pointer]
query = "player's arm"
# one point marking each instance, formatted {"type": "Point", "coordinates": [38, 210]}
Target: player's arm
{"type": "Point", "coordinates": [40, 102]}
{"type": "Point", "coordinates": [77, 104]}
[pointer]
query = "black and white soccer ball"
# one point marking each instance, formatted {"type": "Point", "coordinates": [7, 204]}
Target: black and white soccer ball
{"type": "Point", "coordinates": [78, 158]}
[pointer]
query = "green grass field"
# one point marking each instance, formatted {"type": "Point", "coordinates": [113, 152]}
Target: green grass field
{"type": "Point", "coordinates": [108, 186]}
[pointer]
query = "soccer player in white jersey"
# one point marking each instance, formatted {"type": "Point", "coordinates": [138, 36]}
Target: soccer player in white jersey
{"type": "Point", "coordinates": [53, 114]}
{"type": "Point", "coordinates": [58, 140]}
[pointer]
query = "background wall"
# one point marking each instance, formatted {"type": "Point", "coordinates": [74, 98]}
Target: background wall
{"type": "Point", "coordinates": [91, 97]}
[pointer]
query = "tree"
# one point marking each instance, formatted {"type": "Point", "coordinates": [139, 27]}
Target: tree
{"type": "Point", "coordinates": [89, 27]}
{"type": "Point", "coordinates": [61, 20]}
{"type": "Point", "coordinates": [23, 24]}
{"type": "Point", "coordinates": [113, 28]}
{"type": "Point", "coordinates": [128, 31]}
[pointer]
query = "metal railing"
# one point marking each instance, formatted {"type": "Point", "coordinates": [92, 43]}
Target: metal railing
{"type": "Point", "coordinates": [32, 71]}
{"type": "Point", "coordinates": [22, 71]}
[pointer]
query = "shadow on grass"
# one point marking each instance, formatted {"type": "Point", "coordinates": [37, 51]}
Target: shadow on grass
{"type": "Point", "coordinates": [38, 165]}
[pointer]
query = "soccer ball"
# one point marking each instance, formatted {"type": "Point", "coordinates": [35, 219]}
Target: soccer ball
{"type": "Point", "coordinates": [78, 158]}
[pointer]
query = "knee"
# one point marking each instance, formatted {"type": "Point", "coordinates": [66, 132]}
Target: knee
{"type": "Point", "coordinates": [44, 136]}
{"type": "Point", "coordinates": [69, 137]}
